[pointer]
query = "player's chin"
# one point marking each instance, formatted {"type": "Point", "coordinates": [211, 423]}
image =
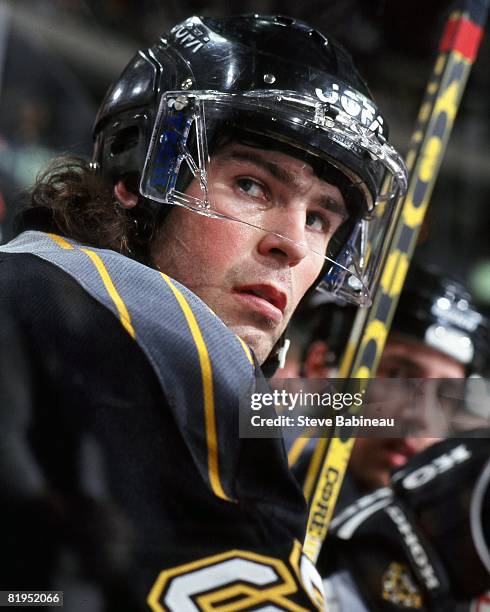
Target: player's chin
{"type": "Point", "coordinates": [261, 340]}
{"type": "Point", "coordinates": [380, 479]}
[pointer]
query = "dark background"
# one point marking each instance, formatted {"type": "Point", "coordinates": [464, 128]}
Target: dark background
{"type": "Point", "coordinates": [57, 58]}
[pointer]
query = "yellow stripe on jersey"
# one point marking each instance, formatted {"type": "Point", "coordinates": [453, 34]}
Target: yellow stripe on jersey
{"type": "Point", "coordinates": [112, 291]}
{"type": "Point", "coordinates": [208, 391]}
{"type": "Point", "coordinates": [296, 449]}
{"type": "Point", "coordinates": [64, 244]}
{"type": "Point", "coordinates": [246, 349]}
{"type": "Point", "coordinates": [314, 468]}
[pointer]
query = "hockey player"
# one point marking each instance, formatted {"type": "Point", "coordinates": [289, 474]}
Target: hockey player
{"type": "Point", "coordinates": [422, 543]}
{"type": "Point", "coordinates": [437, 333]}
{"type": "Point", "coordinates": [237, 163]}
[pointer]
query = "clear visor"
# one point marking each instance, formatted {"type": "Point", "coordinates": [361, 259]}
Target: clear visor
{"type": "Point", "coordinates": [318, 185]}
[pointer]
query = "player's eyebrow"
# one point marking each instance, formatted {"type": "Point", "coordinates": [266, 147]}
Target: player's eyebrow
{"type": "Point", "coordinates": [280, 173]}
{"type": "Point", "coordinates": [333, 205]}
{"type": "Point", "coordinates": [275, 170]}
{"type": "Point", "coordinates": [407, 363]}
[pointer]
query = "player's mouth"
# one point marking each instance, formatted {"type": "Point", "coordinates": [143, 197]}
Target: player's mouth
{"type": "Point", "coordinates": [399, 452]}
{"type": "Point", "coordinates": [266, 299]}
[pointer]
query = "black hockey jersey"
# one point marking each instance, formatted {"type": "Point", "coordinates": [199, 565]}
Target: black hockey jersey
{"type": "Point", "coordinates": [124, 481]}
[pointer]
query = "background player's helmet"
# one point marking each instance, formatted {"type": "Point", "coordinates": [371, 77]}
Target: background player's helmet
{"type": "Point", "coordinates": [435, 308]}
{"type": "Point", "coordinates": [271, 82]}
{"type": "Point", "coordinates": [438, 309]}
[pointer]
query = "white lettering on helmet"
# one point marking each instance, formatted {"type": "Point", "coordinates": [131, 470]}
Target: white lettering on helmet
{"type": "Point", "coordinates": [330, 96]}
{"type": "Point", "coordinates": [368, 113]}
{"type": "Point", "coordinates": [348, 101]}
{"type": "Point", "coordinates": [190, 37]}
{"type": "Point", "coordinates": [352, 103]}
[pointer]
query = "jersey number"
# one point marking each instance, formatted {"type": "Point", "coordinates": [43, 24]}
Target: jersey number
{"type": "Point", "coordinates": [233, 580]}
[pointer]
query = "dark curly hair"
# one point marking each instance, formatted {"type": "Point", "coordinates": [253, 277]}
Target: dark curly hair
{"type": "Point", "coordinates": [83, 207]}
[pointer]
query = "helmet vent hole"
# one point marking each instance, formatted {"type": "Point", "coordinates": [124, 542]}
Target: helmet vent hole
{"type": "Point", "coordinates": [124, 140]}
{"type": "Point", "coordinates": [282, 20]}
{"type": "Point", "coordinates": [318, 37]}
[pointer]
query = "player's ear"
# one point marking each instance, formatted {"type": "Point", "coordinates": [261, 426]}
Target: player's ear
{"type": "Point", "coordinates": [315, 365]}
{"type": "Point", "coordinates": [125, 195]}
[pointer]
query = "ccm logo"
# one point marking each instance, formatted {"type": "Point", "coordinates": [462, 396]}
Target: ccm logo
{"type": "Point", "coordinates": [439, 465]}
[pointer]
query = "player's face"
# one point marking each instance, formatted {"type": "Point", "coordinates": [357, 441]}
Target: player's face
{"type": "Point", "coordinates": [373, 458]}
{"type": "Point", "coordinates": [405, 357]}
{"type": "Point", "coordinates": [253, 279]}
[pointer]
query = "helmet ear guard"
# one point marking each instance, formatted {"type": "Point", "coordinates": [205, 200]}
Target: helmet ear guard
{"type": "Point", "coordinates": [121, 147]}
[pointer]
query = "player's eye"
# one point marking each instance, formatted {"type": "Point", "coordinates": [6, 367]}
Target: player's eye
{"type": "Point", "coordinates": [399, 370]}
{"type": "Point", "coordinates": [318, 222]}
{"type": "Point", "coordinates": [252, 187]}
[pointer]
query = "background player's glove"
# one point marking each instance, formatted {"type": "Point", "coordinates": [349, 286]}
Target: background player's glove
{"type": "Point", "coordinates": [447, 487]}
{"type": "Point", "coordinates": [424, 543]}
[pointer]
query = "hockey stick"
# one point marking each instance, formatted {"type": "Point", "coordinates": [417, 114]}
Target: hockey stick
{"type": "Point", "coordinates": [457, 51]}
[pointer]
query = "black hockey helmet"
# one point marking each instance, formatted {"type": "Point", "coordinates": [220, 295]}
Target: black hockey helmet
{"type": "Point", "coordinates": [434, 307]}
{"type": "Point", "coordinates": [438, 309]}
{"type": "Point", "coordinates": [265, 79]}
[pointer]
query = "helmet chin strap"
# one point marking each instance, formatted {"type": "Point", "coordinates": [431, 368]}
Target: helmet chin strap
{"type": "Point", "coordinates": [277, 357]}
{"type": "Point", "coordinates": [282, 353]}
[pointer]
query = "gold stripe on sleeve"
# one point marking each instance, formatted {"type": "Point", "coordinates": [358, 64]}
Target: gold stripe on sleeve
{"type": "Point", "coordinates": [246, 349]}
{"type": "Point", "coordinates": [296, 449]}
{"type": "Point", "coordinates": [112, 291]}
{"type": "Point", "coordinates": [60, 241]}
{"type": "Point", "coordinates": [208, 391]}
{"type": "Point", "coordinates": [314, 468]}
